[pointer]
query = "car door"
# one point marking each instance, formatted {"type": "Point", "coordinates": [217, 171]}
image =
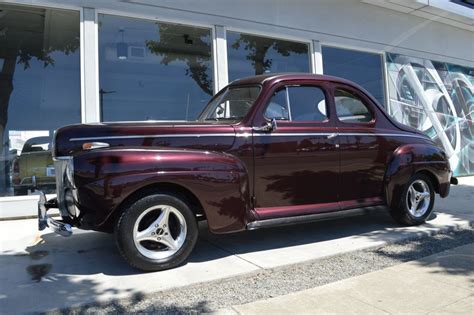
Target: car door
{"type": "Point", "coordinates": [296, 165]}
{"type": "Point", "coordinates": [363, 148]}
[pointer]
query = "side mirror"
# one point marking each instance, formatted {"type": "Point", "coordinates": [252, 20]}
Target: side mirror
{"type": "Point", "coordinates": [268, 127]}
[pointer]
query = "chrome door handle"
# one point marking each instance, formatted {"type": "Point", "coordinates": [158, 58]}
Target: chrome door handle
{"type": "Point", "coordinates": [332, 135]}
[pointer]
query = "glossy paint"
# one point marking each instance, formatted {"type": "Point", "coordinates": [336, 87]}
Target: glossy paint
{"type": "Point", "coordinates": [239, 175]}
{"type": "Point", "coordinates": [193, 135]}
{"type": "Point", "coordinates": [411, 158]}
{"type": "Point", "coordinates": [296, 164]}
{"type": "Point", "coordinates": [106, 178]}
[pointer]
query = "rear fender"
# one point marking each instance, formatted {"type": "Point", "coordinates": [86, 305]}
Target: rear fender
{"type": "Point", "coordinates": [106, 178]}
{"type": "Point", "coordinates": [409, 159]}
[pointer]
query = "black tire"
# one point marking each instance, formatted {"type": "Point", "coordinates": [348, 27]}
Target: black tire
{"type": "Point", "coordinates": [124, 230]}
{"type": "Point", "coordinates": [401, 213]}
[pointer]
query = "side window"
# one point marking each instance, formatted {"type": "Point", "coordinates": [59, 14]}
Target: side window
{"type": "Point", "coordinates": [278, 107]}
{"type": "Point", "coordinates": [307, 103]}
{"type": "Point", "coordinates": [297, 103]}
{"type": "Point", "coordinates": [349, 108]}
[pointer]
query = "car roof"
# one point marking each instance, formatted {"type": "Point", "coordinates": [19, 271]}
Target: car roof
{"type": "Point", "coordinates": [38, 140]}
{"type": "Point", "coordinates": [265, 78]}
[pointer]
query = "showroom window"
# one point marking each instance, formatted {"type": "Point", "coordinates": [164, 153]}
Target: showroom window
{"type": "Point", "coordinates": [153, 71]}
{"type": "Point", "coordinates": [363, 68]}
{"type": "Point", "coordinates": [250, 55]}
{"type": "Point", "coordinates": [39, 92]}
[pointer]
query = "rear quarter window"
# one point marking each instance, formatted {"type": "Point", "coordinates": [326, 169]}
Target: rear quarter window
{"type": "Point", "coordinates": [350, 108]}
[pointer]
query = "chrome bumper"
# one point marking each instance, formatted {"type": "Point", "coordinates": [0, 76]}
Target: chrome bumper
{"type": "Point", "coordinates": [44, 220]}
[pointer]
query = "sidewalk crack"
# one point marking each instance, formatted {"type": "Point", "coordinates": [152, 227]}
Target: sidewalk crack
{"type": "Point", "coordinates": [231, 253]}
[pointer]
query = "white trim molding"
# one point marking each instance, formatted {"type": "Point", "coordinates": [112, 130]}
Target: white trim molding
{"type": "Point", "coordinates": [90, 66]}
{"type": "Point", "coordinates": [221, 77]}
{"type": "Point", "coordinates": [317, 57]}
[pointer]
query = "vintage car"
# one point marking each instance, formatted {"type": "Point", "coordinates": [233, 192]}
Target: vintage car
{"type": "Point", "coordinates": [33, 168]}
{"type": "Point", "coordinates": [267, 150]}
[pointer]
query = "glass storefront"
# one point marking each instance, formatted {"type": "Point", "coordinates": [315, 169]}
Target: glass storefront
{"type": "Point", "coordinates": [363, 68]}
{"type": "Point", "coordinates": [39, 92]}
{"type": "Point", "coordinates": [250, 55]}
{"type": "Point", "coordinates": [153, 71]}
{"type": "Point", "coordinates": [438, 99]}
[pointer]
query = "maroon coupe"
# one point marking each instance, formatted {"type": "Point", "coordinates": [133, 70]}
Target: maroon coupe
{"type": "Point", "coordinates": [267, 150]}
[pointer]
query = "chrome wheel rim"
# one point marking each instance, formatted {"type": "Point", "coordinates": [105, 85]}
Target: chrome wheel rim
{"type": "Point", "coordinates": [159, 232]}
{"type": "Point", "coordinates": [418, 198]}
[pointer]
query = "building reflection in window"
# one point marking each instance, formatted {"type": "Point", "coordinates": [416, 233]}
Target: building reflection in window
{"type": "Point", "coordinates": [39, 92]}
{"type": "Point", "coordinates": [153, 71]}
{"type": "Point", "coordinates": [250, 55]}
{"type": "Point", "coordinates": [363, 68]}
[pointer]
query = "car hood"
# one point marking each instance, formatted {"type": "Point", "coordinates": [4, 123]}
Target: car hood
{"type": "Point", "coordinates": [195, 135]}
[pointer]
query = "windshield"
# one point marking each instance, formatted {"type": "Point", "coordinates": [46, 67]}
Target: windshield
{"type": "Point", "coordinates": [233, 103]}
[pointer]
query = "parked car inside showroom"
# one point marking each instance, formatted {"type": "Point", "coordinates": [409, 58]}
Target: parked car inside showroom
{"type": "Point", "coordinates": [267, 150]}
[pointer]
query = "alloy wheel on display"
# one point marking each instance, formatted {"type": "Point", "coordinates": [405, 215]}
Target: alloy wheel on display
{"type": "Point", "coordinates": [159, 232]}
{"type": "Point", "coordinates": [418, 198]}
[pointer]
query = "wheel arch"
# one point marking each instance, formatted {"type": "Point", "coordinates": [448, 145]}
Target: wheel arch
{"type": "Point", "coordinates": [433, 179]}
{"type": "Point", "coordinates": [214, 183]}
{"type": "Point", "coordinates": [410, 159]}
{"type": "Point", "coordinates": [186, 195]}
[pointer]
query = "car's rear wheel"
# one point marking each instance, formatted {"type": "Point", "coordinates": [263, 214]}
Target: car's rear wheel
{"type": "Point", "coordinates": [416, 202]}
{"type": "Point", "coordinates": [157, 232]}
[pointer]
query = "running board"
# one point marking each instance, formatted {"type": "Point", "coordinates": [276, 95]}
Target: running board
{"type": "Point", "coordinates": [311, 217]}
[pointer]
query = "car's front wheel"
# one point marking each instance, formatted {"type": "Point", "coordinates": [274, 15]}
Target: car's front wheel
{"type": "Point", "coordinates": [157, 232]}
{"type": "Point", "coordinates": [416, 202]}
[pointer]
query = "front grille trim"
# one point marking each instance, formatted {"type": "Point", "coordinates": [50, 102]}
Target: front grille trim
{"type": "Point", "coordinates": [60, 165]}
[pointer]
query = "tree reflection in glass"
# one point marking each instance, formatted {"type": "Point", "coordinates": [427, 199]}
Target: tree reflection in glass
{"type": "Point", "coordinates": [253, 55]}
{"type": "Point", "coordinates": [190, 45]}
{"type": "Point", "coordinates": [36, 45]}
{"type": "Point", "coordinates": [167, 73]}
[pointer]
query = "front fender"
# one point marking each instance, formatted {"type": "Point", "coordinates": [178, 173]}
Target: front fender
{"type": "Point", "coordinates": [106, 178]}
{"type": "Point", "coordinates": [409, 159]}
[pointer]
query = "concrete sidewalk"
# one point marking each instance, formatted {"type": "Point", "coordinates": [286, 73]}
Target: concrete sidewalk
{"type": "Point", "coordinates": [44, 271]}
{"type": "Point", "coordinates": [438, 284]}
